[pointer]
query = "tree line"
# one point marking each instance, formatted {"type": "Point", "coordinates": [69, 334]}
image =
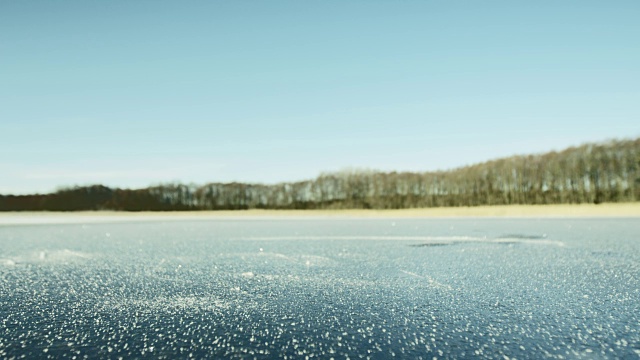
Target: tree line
{"type": "Point", "coordinates": [591, 173]}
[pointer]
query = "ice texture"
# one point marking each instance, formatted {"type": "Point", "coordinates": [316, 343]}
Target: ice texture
{"type": "Point", "coordinates": [322, 288]}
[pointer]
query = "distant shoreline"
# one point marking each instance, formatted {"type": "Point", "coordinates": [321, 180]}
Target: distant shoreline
{"type": "Point", "coordinates": [505, 211]}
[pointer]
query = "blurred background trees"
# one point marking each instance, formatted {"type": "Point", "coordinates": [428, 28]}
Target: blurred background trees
{"type": "Point", "coordinates": [591, 173]}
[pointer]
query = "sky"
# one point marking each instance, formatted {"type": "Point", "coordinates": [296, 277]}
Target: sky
{"type": "Point", "coordinates": [135, 93]}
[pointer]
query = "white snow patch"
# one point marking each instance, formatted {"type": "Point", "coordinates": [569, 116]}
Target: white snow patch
{"type": "Point", "coordinates": [429, 279]}
{"type": "Point", "coordinates": [7, 262]}
{"type": "Point", "coordinates": [366, 237]}
{"type": "Point", "coordinates": [62, 255]}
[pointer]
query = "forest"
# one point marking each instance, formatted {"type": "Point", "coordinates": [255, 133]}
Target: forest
{"type": "Point", "coordinates": [590, 173]}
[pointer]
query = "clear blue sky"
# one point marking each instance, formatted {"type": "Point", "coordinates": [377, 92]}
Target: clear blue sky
{"type": "Point", "coordinates": [132, 93]}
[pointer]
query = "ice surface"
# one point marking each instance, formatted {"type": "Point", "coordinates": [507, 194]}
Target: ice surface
{"type": "Point", "coordinates": [452, 288]}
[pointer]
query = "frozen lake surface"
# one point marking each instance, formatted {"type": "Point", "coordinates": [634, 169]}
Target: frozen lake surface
{"type": "Point", "coordinates": [322, 288]}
